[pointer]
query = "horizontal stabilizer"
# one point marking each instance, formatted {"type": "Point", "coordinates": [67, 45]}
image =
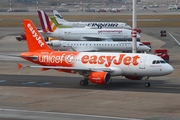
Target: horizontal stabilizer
{"type": "Point", "coordinates": [19, 66]}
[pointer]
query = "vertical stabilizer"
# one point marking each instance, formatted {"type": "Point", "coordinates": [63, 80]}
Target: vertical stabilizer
{"type": "Point", "coordinates": [46, 23]}
{"type": "Point", "coordinates": [58, 17]}
{"type": "Point", "coordinates": [34, 39]}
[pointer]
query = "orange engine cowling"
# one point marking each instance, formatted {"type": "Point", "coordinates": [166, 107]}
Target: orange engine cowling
{"type": "Point", "coordinates": [134, 77]}
{"type": "Point", "coordinates": [100, 77]}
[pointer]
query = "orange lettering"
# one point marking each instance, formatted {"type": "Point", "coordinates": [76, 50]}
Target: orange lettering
{"type": "Point", "coordinates": [120, 59]}
{"type": "Point", "coordinates": [101, 60]}
{"type": "Point", "coordinates": [127, 60]}
{"type": "Point", "coordinates": [85, 59]}
{"type": "Point", "coordinates": [109, 60]}
{"type": "Point", "coordinates": [135, 60]}
{"type": "Point", "coordinates": [93, 59]}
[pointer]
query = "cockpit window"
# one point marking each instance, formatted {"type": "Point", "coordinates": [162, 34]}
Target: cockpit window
{"type": "Point", "coordinates": [158, 62]}
{"type": "Point", "coordinates": [141, 44]}
{"type": "Point", "coordinates": [162, 61]}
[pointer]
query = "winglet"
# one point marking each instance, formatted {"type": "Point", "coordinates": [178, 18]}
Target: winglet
{"type": "Point", "coordinates": [19, 65]}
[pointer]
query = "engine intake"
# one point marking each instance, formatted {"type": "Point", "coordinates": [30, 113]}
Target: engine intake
{"type": "Point", "coordinates": [54, 43]}
{"type": "Point", "coordinates": [100, 77]}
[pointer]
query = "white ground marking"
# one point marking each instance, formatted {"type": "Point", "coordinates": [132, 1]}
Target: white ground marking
{"type": "Point", "coordinates": [174, 38]}
{"type": "Point", "coordinates": [69, 114]}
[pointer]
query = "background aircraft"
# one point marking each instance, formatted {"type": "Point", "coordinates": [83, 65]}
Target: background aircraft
{"type": "Point", "coordinates": [114, 25]}
{"type": "Point", "coordinates": [87, 46]}
{"type": "Point", "coordinates": [96, 67]}
{"type": "Point", "coordinates": [49, 29]}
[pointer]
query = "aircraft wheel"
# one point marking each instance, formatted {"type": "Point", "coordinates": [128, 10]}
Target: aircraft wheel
{"type": "Point", "coordinates": [147, 84]}
{"type": "Point", "coordinates": [83, 82]}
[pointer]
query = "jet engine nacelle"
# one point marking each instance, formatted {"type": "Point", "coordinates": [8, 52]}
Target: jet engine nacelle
{"type": "Point", "coordinates": [100, 77]}
{"type": "Point", "coordinates": [54, 43]}
{"type": "Point", "coordinates": [135, 77]}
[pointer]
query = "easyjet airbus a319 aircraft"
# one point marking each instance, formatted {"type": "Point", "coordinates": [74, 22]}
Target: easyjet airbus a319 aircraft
{"type": "Point", "coordinates": [96, 67]}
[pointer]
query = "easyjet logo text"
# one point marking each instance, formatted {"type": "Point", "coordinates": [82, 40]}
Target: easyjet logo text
{"type": "Point", "coordinates": [35, 35]}
{"type": "Point", "coordinates": [108, 60]}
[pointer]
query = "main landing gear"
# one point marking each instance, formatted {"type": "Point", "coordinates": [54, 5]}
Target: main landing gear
{"type": "Point", "coordinates": [147, 84]}
{"type": "Point", "coordinates": [84, 82]}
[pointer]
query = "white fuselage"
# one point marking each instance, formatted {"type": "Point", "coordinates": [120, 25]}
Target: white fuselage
{"type": "Point", "coordinates": [96, 46]}
{"type": "Point", "coordinates": [75, 34]}
{"type": "Point", "coordinates": [124, 64]}
{"type": "Point", "coordinates": [109, 25]}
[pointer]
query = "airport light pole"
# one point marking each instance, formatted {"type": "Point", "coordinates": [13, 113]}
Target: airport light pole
{"type": "Point", "coordinates": [134, 30]}
{"type": "Point", "coordinates": [37, 4]}
{"type": "Point", "coordinates": [10, 4]}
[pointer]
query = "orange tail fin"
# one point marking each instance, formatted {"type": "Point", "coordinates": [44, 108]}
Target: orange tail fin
{"type": "Point", "coordinates": [34, 39]}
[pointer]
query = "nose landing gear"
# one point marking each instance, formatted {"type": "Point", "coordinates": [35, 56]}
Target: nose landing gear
{"type": "Point", "coordinates": [147, 84]}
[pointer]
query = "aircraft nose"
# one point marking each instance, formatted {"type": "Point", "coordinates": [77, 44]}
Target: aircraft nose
{"type": "Point", "coordinates": [129, 27]}
{"type": "Point", "coordinates": [138, 36]}
{"type": "Point", "coordinates": [169, 69]}
{"type": "Point", "coordinates": [148, 48]}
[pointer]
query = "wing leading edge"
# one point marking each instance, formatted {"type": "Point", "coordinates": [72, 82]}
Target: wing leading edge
{"type": "Point", "coordinates": [68, 68]}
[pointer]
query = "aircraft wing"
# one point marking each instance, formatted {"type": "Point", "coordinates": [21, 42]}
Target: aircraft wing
{"type": "Point", "coordinates": [95, 38]}
{"type": "Point", "coordinates": [67, 68]}
{"type": "Point", "coordinates": [44, 33]}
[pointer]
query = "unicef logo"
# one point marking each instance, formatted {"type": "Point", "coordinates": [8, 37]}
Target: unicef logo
{"type": "Point", "coordinates": [69, 59]}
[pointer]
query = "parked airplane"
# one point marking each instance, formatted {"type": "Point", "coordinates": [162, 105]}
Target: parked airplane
{"type": "Point", "coordinates": [87, 46]}
{"type": "Point", "coordinates": [115, 10]}
{"type": "Point", "coordinates": [96, 67]}
{"type": "Point", "coordinates": [114, 25]}
{"type": "Point", "coordinates": [49, 29]}
{"type": "Point", "coordinates": [174, 6]}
